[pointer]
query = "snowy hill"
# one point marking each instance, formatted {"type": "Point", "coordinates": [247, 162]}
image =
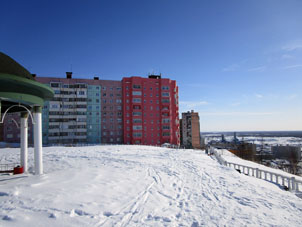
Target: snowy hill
{"type": "Point", "coordinates": [139, 186]}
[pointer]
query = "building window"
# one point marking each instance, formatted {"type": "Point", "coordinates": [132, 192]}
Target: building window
{"type": "Point", "coordinates": [137, 127]}
{"type": "Point", "coordinates": [137, 113]}
{"type": "Point", "coordinates": [55, 84]}
{"type": "Point", "coordinates": [54, 106]}
{"type": "Point", "coordinates": [137, 134]}
{"type": "Point", "coordinates": [137, 93]}
{"type": "Point", "coordinates": [136, 86]}
{"type": "Point", "coordinates": [136, 100]}
{"type": "Point", "coordinates": [166, 120]}
{"type": "Point", "coordinates": [137, 120]}
{"type": "Point", "coordinates": [165, 94]}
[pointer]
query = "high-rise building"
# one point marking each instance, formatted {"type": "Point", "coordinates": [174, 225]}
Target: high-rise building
{"type": "Point", "coordinates": [83, 111]}
{"type": "Point", "coordinates": [150, 111]}
{"type": "Point", "coordinates": [91, 111]}
{"type": "Point", "coordinates": [190, 130]}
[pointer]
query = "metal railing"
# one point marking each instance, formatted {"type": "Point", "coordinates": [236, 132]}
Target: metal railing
{"type": "Point", "coordinates": [290, 182]}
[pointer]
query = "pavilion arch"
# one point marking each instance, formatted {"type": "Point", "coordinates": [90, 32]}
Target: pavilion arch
{"type": "Point", "coordinates": [19, 105]}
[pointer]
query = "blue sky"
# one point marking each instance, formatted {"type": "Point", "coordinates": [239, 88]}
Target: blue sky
{"type": "Point", "coordinates": [238, 63]}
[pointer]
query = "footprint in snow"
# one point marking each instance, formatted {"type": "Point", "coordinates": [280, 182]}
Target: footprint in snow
{"type": "Point", "coordinates": [3, 194]}
{"type": "Point", "coordinates": [52, 216]}
{"type": "Point", "coordinates": [7, 218]}
{"type": "Point", "coordinates": [78, 212]}
{"type": "Point", "coordinates": [195, 224]}
{"type": "Point", "coordinates": [165, 219]}
{"type": "Point", "coordinates": [107, 214]}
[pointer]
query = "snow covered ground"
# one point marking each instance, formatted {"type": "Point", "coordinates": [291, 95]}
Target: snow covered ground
{"type": "Point", "coordinates": [139, 186]}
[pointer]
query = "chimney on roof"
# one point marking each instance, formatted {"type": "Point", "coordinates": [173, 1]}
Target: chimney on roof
{"type": "Point", "coordinates": [68, 75]}
{"type": "Point", "coordinates": [96, 78]}
{"type": "Point", "coordinates": [152, 76]}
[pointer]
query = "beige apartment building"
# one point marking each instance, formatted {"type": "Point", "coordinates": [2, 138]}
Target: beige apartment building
{"type": "Point", "coordinates": [190, 130]}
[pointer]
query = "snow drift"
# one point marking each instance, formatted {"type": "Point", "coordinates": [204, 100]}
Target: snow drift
{"type": "Point", "coordinates": [139, 186]}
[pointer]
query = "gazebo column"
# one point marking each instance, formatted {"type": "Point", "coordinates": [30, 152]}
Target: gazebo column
{"type": "Point", "coordinates": [38, 139]}
{"type": "Point", "coordinates": [24, 139]}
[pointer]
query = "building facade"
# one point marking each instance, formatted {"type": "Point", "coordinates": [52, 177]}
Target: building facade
{"type": "Point", "coordinates": [91, 111]}
{"type": "Point", "coordinates": [190, 130]}
{"type": "Point", "coordinates": [83, 111]}
{"type": "Point", "coordinates": [150, 111]}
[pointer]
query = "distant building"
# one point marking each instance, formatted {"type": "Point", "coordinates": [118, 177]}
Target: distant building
{"type": "Point", "coordinates": [11, 129]}
{"type": "Point", "coordinates": [287, 152]}
{"type": "Point", "coordinates": [190, 130]}
{"type": "Point", "coordinates": [150, 111]}
{"type": "Point", "coordinates": [240, 148]}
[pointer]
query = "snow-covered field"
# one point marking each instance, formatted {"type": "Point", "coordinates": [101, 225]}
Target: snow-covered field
{"type": "Point", "coordinates": [140, 186]}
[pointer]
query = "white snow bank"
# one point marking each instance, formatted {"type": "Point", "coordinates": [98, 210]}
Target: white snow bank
{"type": "Point", "coordinates": [139, 186]}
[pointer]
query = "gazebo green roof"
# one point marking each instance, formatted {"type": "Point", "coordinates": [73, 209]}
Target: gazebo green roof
{"type": "Point", "coordinates": [18, 86]}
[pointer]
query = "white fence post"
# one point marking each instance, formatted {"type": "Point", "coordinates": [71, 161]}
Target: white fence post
{"type": "Point", "coordinates": [293, 183]}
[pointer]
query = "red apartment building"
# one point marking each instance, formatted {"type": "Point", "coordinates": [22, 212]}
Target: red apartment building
{"type": "Point", "coordinates": [150, 107]}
